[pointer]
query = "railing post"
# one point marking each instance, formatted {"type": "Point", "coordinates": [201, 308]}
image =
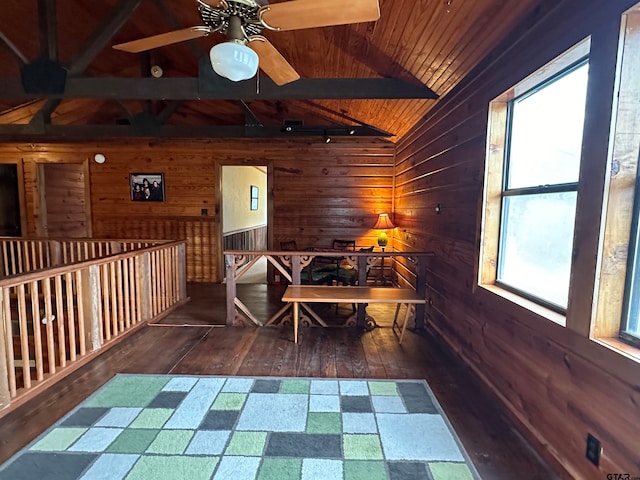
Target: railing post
{"type": "Point", "coordinates": [230, 274]}
{"type": "Point", "coordinates": [5, 393]}
{"type": "Point", "coordinates": [92, 307]}
{"type": "Point", "coordinates": [295, 269]}
{"type": "Point", "coordinates": [182, 271]}
{"type": "Point", "coordinates": [56, 253]}
{"type": "Point", "coordinates": [421, 289]}
{"type": "Point", "coordinates": [116, 247]}
{"type": "Point", "coordinates": [143, 285]}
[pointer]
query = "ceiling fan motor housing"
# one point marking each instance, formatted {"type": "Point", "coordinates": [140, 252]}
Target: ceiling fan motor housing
{"type": "Point", "coordinates": [219, 18]}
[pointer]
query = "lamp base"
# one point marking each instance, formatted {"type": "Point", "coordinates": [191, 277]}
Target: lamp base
{"type": "Point", "coordinates": [382, 239]}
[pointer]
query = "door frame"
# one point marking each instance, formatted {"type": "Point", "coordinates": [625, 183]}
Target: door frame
{"type": "Point", "coordinates": [21, 193]}
{"type": "Point", "coordinates": [240, 162]}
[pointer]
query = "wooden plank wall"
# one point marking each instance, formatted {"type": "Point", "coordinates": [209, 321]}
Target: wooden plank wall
{"type": "Point", "coordinates": [252, 239]}
{"type": "Point", "coordinates": [328, 191]}
{"type": "Point", "coordinates": [319, 191]}
{"type": "Point", "coordinates": [555, 382]}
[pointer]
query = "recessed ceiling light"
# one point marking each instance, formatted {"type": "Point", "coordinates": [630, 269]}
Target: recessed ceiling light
{"type": "Point", "coordinates": [100, 158]}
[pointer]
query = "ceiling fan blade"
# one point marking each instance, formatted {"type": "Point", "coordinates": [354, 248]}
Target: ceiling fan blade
{"type": "Point", "coordinates": [215, 3]}
{"type": "Point", "coordinates": [298, 14]}
{"type": "Point", "coordinates": [271, 61]}
{"type": "Point", "coordinates": [163, 39]}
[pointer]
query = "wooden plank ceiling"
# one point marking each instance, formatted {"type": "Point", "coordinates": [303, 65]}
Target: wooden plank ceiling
{"type": "Point", "coordinates": [431, 43]}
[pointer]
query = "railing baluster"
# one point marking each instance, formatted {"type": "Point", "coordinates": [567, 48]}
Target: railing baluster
{"type": "Point", "coordinates": [24, 336]}
{"type": "Point", "coordinates": [68, 277]}
{"type": "Point", "coordinates": [154, 285]}
{"type": "Point", "coordinates": [105, 301]}
{"type": "Point", "coordinates": [48, 312]}
{"type": "Point", "coordinates": [41, 256]}
{"type": "Point", "coordinates": [163, 279]}
{"type": "Point", "coordinates": [119, 280]}
{"type": "Point", "coordinates": [114, 299]}
{"type": "Point", "coordinates": [5, 259]}
{"type": "Point", "coordinates": [20, 259]}
{"type": "Point", "coordinates": [126, 305]}
{"type": "Point", "coordinates": [82, 339]}
{"type": "Point", "coordinates": [7, 362]}
{"type": "Point", "coordinates": [37, 334]}
{"type": "Point", "coordinates": [62, 341]}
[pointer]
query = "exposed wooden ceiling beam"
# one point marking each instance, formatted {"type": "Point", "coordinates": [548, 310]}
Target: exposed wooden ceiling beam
{"type": "Point", "coordinates": [4, 40]}
{"type": "Point", "coordinates": [86, 132]}
{"type": "Point", "coordinates": [250, 118]}
{"type": "Point", "coordinates": [48, 29]}
{"type": "Point", "coordinates": [102, 35]}
{"type": "Point", "coordinates": [194, 89]}
{"type": "Point", "coordinates": [169, 109]}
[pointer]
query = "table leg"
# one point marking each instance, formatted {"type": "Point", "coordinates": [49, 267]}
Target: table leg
{"type": "Point", "coordinates": [395, 318]}
{"type": "Point", "coordinates": [296, 314]}
{"type": "Point", "coordinates": [404, 325]}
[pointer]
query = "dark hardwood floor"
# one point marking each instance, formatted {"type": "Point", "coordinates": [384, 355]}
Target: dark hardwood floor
{"type": "Point", "coordinates": [495, 447]}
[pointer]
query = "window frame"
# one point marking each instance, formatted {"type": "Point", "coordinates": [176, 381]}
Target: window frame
{"type": "Point", "coordinates": [496, 144]}
{"type": "Point", "coordinates": [632, 275]}
{"type": "Point", "coordinates": [532, 190]}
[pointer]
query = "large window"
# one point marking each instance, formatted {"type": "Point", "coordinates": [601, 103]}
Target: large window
{"type": "Point", "coordinates": [534, 149]}
{"type": "Point", "coordinates": [542, 161]}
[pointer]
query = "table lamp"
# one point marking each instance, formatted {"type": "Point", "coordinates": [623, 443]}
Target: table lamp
{"type": "Point", "coordinates": [383, 224]}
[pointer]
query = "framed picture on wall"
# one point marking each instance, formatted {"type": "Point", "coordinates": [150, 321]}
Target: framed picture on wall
{"type": "Point", "coordinates": [146, 187]}
{"type": "Point", "coordinates": [254, 197]}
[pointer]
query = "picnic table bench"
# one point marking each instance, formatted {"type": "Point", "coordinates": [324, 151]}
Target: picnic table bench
{"type": "Point", "coordinates": [297, 294]}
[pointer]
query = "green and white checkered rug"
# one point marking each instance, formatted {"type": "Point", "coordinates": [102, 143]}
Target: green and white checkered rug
{"type": "Point", "coordinates": [151, 427]}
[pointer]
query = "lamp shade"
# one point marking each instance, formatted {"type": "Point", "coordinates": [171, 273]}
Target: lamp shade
{"type": "Point", "coordinates": [234, 60]}
{"type": "Point", "coordinates": [383, 222]}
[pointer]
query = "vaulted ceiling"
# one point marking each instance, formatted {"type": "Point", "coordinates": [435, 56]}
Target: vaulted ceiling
{"type": "Point", "coordinates": [416, 49]}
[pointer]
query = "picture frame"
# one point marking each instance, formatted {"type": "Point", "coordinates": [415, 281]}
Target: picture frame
{"type": "Point", "coordinates": [254, 197]}
{"type": "Point", "coordinates": [146, 187]}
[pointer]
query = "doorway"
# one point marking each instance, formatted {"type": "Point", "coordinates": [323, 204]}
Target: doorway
{"type": "Point", "coordinates": [64, 200]}
{"type": "Point", "coordinates": [10, 224]}
{"type": "Point", "coordinates": [245, 214]}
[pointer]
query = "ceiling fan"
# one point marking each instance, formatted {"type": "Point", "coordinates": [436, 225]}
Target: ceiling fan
{"type": "Point", "coordinates": [242, 21]}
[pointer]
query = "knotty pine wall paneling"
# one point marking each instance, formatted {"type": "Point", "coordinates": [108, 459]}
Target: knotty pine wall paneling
{"type": "Point", "coordinates": [556, 383]}
{"type": "Point", "coordinates": [319, 191]}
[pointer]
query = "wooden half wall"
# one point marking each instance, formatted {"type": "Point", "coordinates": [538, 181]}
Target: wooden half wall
{"type": "Point", "coordinates": [554, 381]}
{"type": "Point", "coordinates": [317, 191]}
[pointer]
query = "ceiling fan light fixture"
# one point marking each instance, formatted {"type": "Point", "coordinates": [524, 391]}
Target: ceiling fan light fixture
{"type": "Point", "coordinates": [234, 60]}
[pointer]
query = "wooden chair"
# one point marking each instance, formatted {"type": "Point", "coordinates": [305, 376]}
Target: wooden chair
{"type": "Point", "coordinates": [344, 245]}
{"type": "Point", "coordinates": [325, 270]}
{"type": "Point", "coordinates": [289, 246]}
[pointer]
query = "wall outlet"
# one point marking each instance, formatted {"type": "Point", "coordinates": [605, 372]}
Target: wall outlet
{"type": "Point", "coordinates": [594, 449]}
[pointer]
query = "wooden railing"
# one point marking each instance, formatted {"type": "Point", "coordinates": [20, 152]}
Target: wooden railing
{"type": "Point", "coordinates": [254, 238]}
{"type": "Point", "coordinates": [201, 234]}
{"type": "Point", "coordinates": [23, 255]}
{"type": "Point", "coordinates": [56, 319]}
{"type": "Point", "coordinates": [410, 268]}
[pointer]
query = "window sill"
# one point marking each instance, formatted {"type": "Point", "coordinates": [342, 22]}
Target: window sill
{"type": "Point", "coordinates": [533, 307]}
{"type": "Point", "coordinates": [618, 346]}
